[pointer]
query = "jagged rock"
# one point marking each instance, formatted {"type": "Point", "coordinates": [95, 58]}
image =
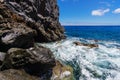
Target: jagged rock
{"type": "Point", "coordinates": [19, 37]}
{"type": "Point", "coordinates": [13, 31]}
{"type": "Point", "coordinates": [40, 15]}
{"type": "Point", "coordinates": [13, 74]}
{"type": "Point", "coordinates": [62, 72]}
{"type": "Point", "coordinates": [34, 60]}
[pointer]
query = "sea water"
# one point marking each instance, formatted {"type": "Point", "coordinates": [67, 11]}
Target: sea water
{"type": "Point", "coordinates": [98, 63]}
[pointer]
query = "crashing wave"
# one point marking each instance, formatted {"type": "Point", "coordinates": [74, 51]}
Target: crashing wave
{"type": "Point", "coordinates": [99, 63]}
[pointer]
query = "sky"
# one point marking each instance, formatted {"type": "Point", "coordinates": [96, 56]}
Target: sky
{"type": "Point", "coordinates": [89, 12]}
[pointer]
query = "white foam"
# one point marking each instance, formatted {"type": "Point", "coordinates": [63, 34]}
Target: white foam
{"type": "Point", "coordinates": [65, 74]}
{"type": "Point", "coordinates": [95, 63]}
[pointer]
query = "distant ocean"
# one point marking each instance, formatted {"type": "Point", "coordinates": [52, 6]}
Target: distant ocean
{"type": "Point", "coordinates": [101, 63]}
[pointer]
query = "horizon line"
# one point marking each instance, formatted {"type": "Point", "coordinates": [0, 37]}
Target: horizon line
{"type": "Point", "coordinates": [91, 25]}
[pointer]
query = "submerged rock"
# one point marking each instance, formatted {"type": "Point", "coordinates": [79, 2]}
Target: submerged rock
{"type": "Point", "coordinates": [62, 72]}
{"type": "Point", "coordinates": [88, 45]}
{"type": "Point", "coordinates": [77, 43]}
{"type": "Point", "coordinates": [13, 74]}
{"type": "Point", "coordinates": [93, 45]}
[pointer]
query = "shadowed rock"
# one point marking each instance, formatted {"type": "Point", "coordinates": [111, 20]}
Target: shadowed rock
{"type": "Point", "coordinates": [34, 60]}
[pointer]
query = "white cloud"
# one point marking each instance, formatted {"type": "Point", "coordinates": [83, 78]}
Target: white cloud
{"type": "Point", "coordinates": [99, 12]}
{"type": "Point", "coordinates": [117, 11]}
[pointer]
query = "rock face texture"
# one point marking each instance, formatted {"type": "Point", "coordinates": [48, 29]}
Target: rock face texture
{"type": "Point", "coordinates": [13, 30]}
{"type": "Point", "coordinates": [22, 24]}
{"type": "Point", "coordinates": [40, 15]}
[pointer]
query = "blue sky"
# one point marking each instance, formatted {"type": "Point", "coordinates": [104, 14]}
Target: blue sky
{"type": "Point", "coordinates": [89, 12]}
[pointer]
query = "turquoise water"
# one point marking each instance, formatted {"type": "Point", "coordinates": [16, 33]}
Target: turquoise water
{"type": "Point", "coordinates": [100, 63]}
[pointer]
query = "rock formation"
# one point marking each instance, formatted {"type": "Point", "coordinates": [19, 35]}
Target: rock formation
{"type": "Point", "coordinates": [22, 24]}
{"type": "Point", "coordinates": [40, 15]}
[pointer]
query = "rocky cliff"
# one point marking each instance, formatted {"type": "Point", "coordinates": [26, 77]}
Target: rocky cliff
{"type": "Point", "coordinates": [33, 20]}
{"type": "Point", "coordinates": [40, 15]}
{"type": "Point", "coordinates": [22, 24]}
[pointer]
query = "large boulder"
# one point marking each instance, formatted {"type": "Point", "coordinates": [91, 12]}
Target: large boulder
{"type": "Point", "coordinates": [13, 74]}
{"type": "Point", "coordinates": [33, 60]}
{"type": "Point", "coordinates": [40, 15]}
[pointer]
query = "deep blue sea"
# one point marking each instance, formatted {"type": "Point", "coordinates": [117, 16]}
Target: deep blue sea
{"type": "Point", "coordinates": [107, 33]}
{"type": "Point", "coordinates": [98, 63]}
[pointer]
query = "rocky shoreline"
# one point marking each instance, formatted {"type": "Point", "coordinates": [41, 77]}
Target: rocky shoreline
{"type": "Point", "coordinates": [22, 24]}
